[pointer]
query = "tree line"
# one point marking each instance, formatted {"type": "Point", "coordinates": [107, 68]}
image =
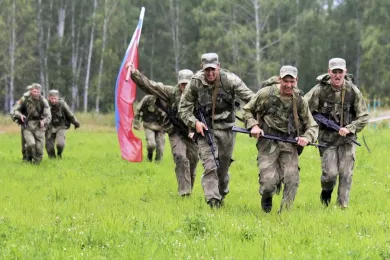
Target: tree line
{"type": "Point", "coordinates": [77, 46]}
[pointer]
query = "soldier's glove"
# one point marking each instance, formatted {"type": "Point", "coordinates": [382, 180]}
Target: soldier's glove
{"type": "Point", "coordinates": [76, 125]}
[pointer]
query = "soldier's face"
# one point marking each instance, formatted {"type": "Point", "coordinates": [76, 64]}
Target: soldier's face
{"type": "Point", "coordinates": [211, 74]}
{"type": "Point", "coordinates": [182, 87]}
{"type": "Point", "coordinates": [53, 100]}
{"type": "Point", "coordinates": [337, 77]}
{"type": "Point", "coordinates": [35, 93]}
{"type": "Point", "coordinates": [287, 85]}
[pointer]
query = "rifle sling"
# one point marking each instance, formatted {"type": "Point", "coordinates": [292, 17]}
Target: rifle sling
{"type": "Point", "coordinates": [295, 113]}
{"type": "Point", "coordinates": [215, 92]}
{"type": "Point", "coordinates": [342, 107]}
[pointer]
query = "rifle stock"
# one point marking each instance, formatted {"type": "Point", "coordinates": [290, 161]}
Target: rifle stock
{"type": "Point", "coordinates": [273, 137]}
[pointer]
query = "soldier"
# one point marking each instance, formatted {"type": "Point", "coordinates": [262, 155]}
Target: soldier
{"type": "Point", "coordinates": [16, 120]}
{"type": "Point", "coordinates": [213, 90]}
{"type": "Point", "coordinates": [34, 112]}
{"type": "Point", "coordinates": [153, 120]}
{"type": "Point", "coordinates": [278, 109]}
{"type": "Point", "coordinates": [184, 149]}
{"type": "Point", "coordinates": [338, 99]}
{"type": "Point", "coordinates": [62, 117]}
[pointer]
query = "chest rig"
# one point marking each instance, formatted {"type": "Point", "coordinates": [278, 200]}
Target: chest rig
{"type": "Point", "coordinates": [337, 105]}
{"type": "Point", "coordinates": [220, 98]}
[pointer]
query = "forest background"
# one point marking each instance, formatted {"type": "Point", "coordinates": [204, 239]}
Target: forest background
{"type": "Point", "coordinates": [77, 46]}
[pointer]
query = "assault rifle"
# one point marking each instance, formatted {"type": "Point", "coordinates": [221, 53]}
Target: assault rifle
{"type": "Point", "coordinates": [178, 124]}
{"type": "Point", "coordinates": [274, 137]}
{"type": "Point", "coordinates": [332, 125]}
{"type": "Point", "coordinates": [208, 134]}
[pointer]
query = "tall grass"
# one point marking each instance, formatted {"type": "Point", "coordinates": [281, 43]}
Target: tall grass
{"type": "Point", "coordinates": [92, 204]}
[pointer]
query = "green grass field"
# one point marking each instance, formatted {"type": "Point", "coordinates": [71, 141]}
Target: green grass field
{"type": "Point", "coordinates": [94, 205]}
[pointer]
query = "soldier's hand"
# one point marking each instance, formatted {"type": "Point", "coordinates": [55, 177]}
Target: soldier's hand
{"type": "Point", "coordinates": [41, 124]}
{"type": "Point", "coordinates": [200, 127]}
{"type": "Point", "coordinates": [256, 131]}
{"type": "Point", "coordinates": [344, 131]}
{"type": "Point", "coordinates": [302, 141]}
{"type": "Point", "coordinates": [130, 66]}
{"type": "Point", "coordinates": [191, 135]}
{"type": "Point", "coordinates": [22, 118]}
{"type": "Point", "coordinates": [76, 125]}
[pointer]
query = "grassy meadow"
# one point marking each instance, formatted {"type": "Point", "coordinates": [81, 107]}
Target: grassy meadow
{"type": "Point", "coordinates": [94, 205]}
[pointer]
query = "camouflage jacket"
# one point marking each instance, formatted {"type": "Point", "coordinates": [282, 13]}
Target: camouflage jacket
{"type": "Point", "coordinates": [62, 116]}
{"type": "Point", "coordinates": [170, 95]}
{"type": "Point", "coordinates": [12, 112]}
{"type": "Point", "coordinates": [325, 99]}
{"type": "Point", "coordinates": [199, 91]}
{"type": "Point", "coordinates": [147, 111]}
{"type": "Point", "coordinates": [34, 111]}
{"type": "Point", "coordinates": [275, 114]}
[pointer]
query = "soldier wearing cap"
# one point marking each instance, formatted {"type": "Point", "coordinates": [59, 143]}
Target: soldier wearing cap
{"type": "Point", "coordinates": [184, 150]}
{"type": "Point", "coordinates": [34, 113]}
{"type": "Point", "coordinates": [213, 90]}
{"type": "Point", "coordinates": [278, 109]}
{"type": "Point", "coordinates": [338, 99]}
{"type": "Point", "coordinates": [62, 117]}
{"type": "Point", "coordinates": [153, 121]}
{"type": "Point", "coordinates": [19, 122]}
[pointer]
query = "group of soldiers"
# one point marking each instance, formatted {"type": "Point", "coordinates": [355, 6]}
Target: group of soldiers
{"type": "Point", "coordinates": [277, 109]}
{"type": "Point", "coordinates": [41, 119]}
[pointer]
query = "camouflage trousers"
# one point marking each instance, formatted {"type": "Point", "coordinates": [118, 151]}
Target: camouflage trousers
{"type": "Point", "coordinates": [155, 140]}
{"type": "Point", "coordinates": [338, 161]}
{"type": "Point", "coordinates": [185, 155]}
{"type": "Point", "coordinates": [55, 139]}
{"type": "Point", "coordinates": [278, 162]}
{"type": "Point", "coordinates": [34, 143]}
{"type": "Point", "coordinates": [215, 181]}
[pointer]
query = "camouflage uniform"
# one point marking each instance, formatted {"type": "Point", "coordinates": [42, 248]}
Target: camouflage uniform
{"type": "Point", "coordinates": [35, 110]}
{"type": "Point", "coordinates": [153, 121]}
{"type": "Point", "coordinates": [62, 117]}
{"type": "Point", "coordinates": [278, 161]}
{"type": "Point", "coordinates": [16, 120]}
{"type": "Point", "coordinates": [338, 158]}
{"type": "Point", "coordinates": [214, 180]}
{"type": "Point", "coordinates": [184, 150]}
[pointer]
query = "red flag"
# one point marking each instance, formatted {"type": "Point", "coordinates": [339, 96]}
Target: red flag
{"type": "Point", "coordinates": [125, 91]}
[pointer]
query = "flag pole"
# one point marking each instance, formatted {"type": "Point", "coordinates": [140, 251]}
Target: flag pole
{"type": "Point", "coordinates": [141, 18]}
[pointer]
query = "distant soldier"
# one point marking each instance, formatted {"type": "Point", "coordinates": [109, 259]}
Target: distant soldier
{"type": "Point", "coordinates": [213, 91]}
{"type": "Point", "coordinates": [153, 121]}
{"type": "Point", "coordinates": [34, 112]}
{"type": "Point", "coordinates": [62, 117]}
{"type": "Point", "coordinates": [278, 109]}
{"type": "Point", "coordinates": [184, 150]}
{"type": "Point", "coordinates": [338, 99]}
{"type": "Point", "coordinates": [18, 121]}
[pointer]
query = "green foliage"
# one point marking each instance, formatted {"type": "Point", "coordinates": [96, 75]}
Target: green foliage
{"type": "Point", "coordinates": [305, 33]}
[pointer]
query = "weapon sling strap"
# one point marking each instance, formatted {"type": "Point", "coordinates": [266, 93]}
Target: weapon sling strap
{"type": "Point", "coordinates": [295, 112]}
{"type": "Point", "coordinates": [215, 92]}
{"type": "Point", "coordinates": [342, 106]}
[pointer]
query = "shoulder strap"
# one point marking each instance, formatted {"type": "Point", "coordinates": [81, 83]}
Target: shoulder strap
{"type": "Point", "coordinates": [295, 113]}
{"type": "Point", "coordinates": [215, 92]}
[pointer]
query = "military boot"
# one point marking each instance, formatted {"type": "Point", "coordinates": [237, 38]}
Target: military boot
{"type": "Point", "coordinates": [150, 156]}
{"type": "Point", "coordinates": [59, 152]}
{"type": "Point", "coordinates": [214, 203]}
{"type": "Point", "coordinates": [325, 197]}
{"type": "Point", "coordinates": [266, 204]}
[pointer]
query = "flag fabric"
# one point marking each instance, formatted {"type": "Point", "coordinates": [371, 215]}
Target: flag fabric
{"type": "Point", "coordinates": [125, 93]}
